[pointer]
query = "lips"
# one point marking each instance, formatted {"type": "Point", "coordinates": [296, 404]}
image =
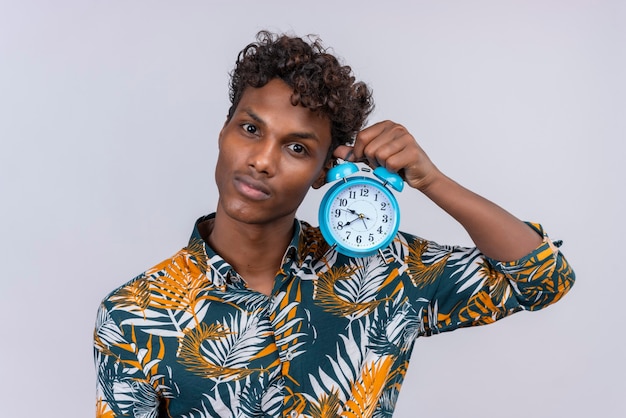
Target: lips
{"type": "Point", "coordinates": [251, 188]}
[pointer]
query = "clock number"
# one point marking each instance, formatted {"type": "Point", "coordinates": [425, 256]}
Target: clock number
{"type": "Point", "coordinates": [359, 216]}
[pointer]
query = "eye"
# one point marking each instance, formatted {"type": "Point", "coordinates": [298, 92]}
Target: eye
{"type": "Point", "coordinates": [250, 128]}
{"type": "Point", "coordinates": [297, 149]}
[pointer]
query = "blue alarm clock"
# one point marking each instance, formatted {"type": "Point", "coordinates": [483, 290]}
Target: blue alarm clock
{"type": "Point", "coordinates": [360, 216]}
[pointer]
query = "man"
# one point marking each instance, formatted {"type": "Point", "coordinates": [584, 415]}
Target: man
{"type": "Point", "coordinates": [258, 316]}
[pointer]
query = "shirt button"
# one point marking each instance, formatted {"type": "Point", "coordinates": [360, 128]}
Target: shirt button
{"type": "Point", "coordinates": [293, 413]}
{"type": "Point", "coordinates": [288, 357]}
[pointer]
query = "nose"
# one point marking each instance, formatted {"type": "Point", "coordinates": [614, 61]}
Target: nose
{"type": "Point", "coordinates": [263, 157]}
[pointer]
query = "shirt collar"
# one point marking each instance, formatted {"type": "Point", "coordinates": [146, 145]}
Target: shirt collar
{"type": "Point", "coordinates": [292, 250]}
{"type": "Point", "coordinates": [219, 265]}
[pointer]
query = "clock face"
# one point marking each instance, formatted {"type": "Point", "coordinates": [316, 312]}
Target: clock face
{"type": "Point", "coordinates": [359, 216]}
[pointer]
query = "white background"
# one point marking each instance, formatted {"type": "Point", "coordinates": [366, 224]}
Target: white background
{"type": "Point", "coordinates": [109, 114]}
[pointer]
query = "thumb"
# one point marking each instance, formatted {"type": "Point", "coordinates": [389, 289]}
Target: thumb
{"type": "Point", "coordinates": [344, 152]}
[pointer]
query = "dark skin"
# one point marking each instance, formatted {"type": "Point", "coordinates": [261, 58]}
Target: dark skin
{"type": "Point", "coordinates": [497, 233]}
{"type": "Point", "coordinates": [272, 153]}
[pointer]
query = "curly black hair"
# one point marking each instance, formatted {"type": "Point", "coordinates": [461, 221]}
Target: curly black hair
{"type": "Point", "coordinates": [319, 81]}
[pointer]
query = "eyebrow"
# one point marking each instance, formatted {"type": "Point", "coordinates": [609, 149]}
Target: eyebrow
{"type": "Point", "coordinates": [298, 135]}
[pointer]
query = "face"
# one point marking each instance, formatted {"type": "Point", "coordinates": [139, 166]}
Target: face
{"type": "Point", "coordinates": [270, 154]}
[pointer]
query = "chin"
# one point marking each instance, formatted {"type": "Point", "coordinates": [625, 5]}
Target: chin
{"type": "Point", "coordinates": [251, 214]}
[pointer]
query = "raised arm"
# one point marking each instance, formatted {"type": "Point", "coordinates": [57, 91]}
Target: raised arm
{"type": "Point", "coordinates": [497, 233]}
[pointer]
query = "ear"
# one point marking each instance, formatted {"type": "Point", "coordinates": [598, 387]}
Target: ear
{"type": "Point", "coordinates": [321, 180]}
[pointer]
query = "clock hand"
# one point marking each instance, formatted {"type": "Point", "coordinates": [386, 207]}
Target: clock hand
{"type": "Point", "coordinates": [361, 217]}
{"type": "Point", "coordinates": [349, 222]}
{"type": "Point", "coordinates": [354, 212]}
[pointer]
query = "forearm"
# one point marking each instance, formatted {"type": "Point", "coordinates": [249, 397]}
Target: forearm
{"type": "Point", "coordinates": [497, 233]}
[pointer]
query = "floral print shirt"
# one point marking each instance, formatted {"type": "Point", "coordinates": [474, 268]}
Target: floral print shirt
{"type": "Point", "coordinates": [187, 338]}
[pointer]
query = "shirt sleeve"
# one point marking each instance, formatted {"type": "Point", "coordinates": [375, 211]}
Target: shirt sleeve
{"type": "Point", "coordinates": [122, 388]}
{"type": "Point", "coordinates": [471, 289]}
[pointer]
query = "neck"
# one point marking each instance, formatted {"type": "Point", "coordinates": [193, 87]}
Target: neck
{"type": "Point", "coordinates": [254, 250]}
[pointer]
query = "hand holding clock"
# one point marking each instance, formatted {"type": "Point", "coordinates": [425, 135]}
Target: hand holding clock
{"type": "Point", "coordinates": [496, 232]}
{"type": "Point", "coordinates": [390, 145]}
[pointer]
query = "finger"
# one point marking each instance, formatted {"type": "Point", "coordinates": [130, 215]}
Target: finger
{"type": "Point", "coordinates": [381, 150]}
{"type": "Point", "coordinates": [344, 152]}
{"type": "Point", "coordinates": [366, 136]}
{"type": "Point", "coordinates": [393, 139]}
